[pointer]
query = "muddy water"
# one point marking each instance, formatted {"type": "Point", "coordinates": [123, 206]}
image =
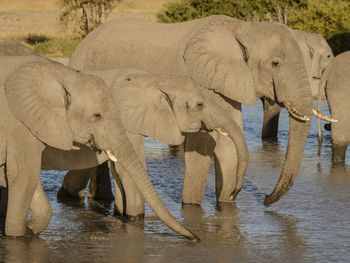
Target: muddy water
{"type": "Point", "coordinates": [310, 224]}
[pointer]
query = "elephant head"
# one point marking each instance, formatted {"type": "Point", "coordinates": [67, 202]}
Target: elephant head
{"type": "Point", "coordinates": [317, 55]}
{"type": "Point", "coordinates": [243, 61]}
{"type": "Point", "coordinates": [165, 107]}
{"type": "Point", "coordinates": [65, 109]}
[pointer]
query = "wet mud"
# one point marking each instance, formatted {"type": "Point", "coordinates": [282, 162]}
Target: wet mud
{"type": "Point", "coordinates": [310, 224]}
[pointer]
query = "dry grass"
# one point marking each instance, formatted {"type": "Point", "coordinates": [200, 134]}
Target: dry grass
{"type": "Point", "coordinates": [22, 18]}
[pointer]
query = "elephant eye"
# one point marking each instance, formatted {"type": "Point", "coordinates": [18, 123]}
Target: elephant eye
{"type": "Point", "coordinates": [97, 117]}
{"type": "Point", "coordinates": [200, 106]}
{"type": "Point", "coordinates": [275, 63]}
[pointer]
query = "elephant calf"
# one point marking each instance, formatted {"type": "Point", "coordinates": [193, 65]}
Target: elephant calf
{"type": "Point", "coordinates": [166, 108]}
{"type": "Point", "coordinates": [335, 82]}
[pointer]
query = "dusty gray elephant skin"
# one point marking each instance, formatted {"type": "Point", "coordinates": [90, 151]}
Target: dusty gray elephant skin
{"type": "Point", "coordinates": [15, 49]}
{"type": "Point", "coordinates": [317, 55]}
{"type": "Point", "coordinates": [163, 107]}
{"type": "Point", "coordinates": [335, 82]}
{"type": "Point", "coordinates": [46, 106]}
{"type": "Point", "coordinates": [239, 60]}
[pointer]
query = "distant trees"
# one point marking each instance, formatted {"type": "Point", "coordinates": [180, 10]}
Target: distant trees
{"type": "Point", "coordinates": [87, 14]}
{"type": "Point", "coordinates": [330, 18]}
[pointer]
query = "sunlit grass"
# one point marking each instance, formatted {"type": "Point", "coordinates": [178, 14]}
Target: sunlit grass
{"type": "Point", "coordinates": [56, 47]}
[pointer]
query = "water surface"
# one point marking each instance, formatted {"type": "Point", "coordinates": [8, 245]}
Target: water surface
{"type": "Point", "coordinates": [310, 224]}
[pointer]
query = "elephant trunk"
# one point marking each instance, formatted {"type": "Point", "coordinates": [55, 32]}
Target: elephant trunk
{"type": "Point", "coordinates": [228, 127]}
{"type": "Point", "coordinates": [298, 132]}
{"type": "Point", "coordinates": [126, 156]}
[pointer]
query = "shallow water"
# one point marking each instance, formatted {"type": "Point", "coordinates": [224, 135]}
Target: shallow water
{"type": "Point", "coordinates": [310, 224]}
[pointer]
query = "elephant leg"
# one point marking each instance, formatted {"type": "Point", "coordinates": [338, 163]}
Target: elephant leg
{"type": "Point", "coordinates": [100, 183]}
{"type": "Point", "coordinates": [40, 209]}
{"type": "Point", "coordinates": [23, 173]}
{"type": "Point", "coordinates": [271, 117]}
{"type": "Point", "coordinates": [128, 199]}
{"type": "Point", "coordinates": [3, 200]}
{"type": "Point", "coordinates": [225, 160]}
{"type": "Point", "coordinates": [199, 148]}
{"type": "Point", "coordinates": [75, 182]}
{"type": "Point", "coordinates": [338, 153]}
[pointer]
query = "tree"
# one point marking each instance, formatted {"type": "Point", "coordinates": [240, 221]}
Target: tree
{"type": "Point", "coordinates": [88, 14]}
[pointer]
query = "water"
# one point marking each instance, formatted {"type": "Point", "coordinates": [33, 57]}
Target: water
{"type": "Point", "coordinates": [310, 224]}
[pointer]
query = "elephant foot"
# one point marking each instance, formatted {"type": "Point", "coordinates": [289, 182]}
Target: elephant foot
{"type": "Point", "coordinates": [139, 217]}
{"type": "Point", "coordinates": [39, 224]}
{"type": "Point", "coordinates": [65, 194]}
{"type": "Point", "coordinates": [100, 195]}
{"type": "Point", "coordinates": [338, 154]}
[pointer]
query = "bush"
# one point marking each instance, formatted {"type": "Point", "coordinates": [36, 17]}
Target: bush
{"type": "Point", "coordinates": [56, 47]}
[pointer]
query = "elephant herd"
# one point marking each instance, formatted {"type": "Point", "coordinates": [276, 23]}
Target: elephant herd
{"type": "Point", "coordinates": [178, 83]}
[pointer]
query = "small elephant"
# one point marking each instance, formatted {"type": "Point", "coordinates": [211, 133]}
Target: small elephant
{"type": "Point", "coordinates": [317, 55]}
{"type": "Point", "coordinates": [335, 83]}
{"type": "Point", "coordinates": [239, 60]}
{"type": "Point", "coordinates": [166, 108]}
{"type": "Point", "coordinates": [49, 114]}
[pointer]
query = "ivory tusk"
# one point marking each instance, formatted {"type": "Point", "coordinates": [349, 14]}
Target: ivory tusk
{"type": "Point", "coordinates": [321, 116]}
{"type": "Point", "coordinates": [111, 156]}
{"type": "Point", "coordinates": [221, 131]}
{"type": "Point", "coordinates": [292, 111]}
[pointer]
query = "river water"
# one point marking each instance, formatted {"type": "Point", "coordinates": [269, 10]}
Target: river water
{"type": "Point", "coordinates": [310, 224]}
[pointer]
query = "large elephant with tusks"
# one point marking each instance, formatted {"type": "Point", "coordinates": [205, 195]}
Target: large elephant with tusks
{"type": "Point", "coordinates": [238, 61]}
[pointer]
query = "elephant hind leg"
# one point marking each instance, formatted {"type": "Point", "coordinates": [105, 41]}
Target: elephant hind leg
{"type": "Point", "coordinates": [75, 182]}
{"type": "Point", "coordinates": [338, 153]}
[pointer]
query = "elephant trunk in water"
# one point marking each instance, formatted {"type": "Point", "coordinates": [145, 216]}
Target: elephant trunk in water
{"type": "Point", "coordinates": [126, 156]}
{"type": "Point", "coordinates": [298, 132]}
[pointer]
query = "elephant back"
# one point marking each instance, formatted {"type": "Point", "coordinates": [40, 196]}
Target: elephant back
{"type": "Point", "coordinates": [135, 43]}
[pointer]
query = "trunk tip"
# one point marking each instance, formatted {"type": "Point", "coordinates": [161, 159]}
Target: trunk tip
{"type": "Point", "coordinates": [234, 194]}
{"type": "Point", "coordinates": [193, 238]}
{"type": "Point", "coordinates": [270, 199]}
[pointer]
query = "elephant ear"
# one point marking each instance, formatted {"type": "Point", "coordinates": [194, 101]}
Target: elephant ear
{"type": "Point", "coordinates": [37, 97]}
{"type": "Point", "coordinates": [145, 109]}
{"type": "Point", "coordinates": [217, 59]}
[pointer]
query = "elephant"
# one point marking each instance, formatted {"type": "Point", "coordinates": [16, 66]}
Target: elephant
{"type": "Point", "coordinates": [238, 60]}
{"type": "Point", "coordinates": [335, 84]}
{"type": "Point", "coordinates": [15, 49]}
{"type": "Point", "coordinates": [317, 55]}
{"type": "Point", "coordinates": [55, 117]}
{"type": "Point", "coordinates": [164, 107]}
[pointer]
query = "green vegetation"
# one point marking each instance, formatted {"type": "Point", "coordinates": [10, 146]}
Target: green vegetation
{"type": "Point", "coordinates": [330, 18]}
{"type": "Point", "coordinates": [55, 47]}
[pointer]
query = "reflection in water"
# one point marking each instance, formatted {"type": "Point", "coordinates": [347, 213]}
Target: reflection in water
{"type": "Point", "coordinates": [310, 224]}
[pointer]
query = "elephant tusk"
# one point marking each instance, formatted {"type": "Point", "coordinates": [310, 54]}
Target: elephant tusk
{"type": "Point", "coordinates": [321, 116]}
{"type": "Point", "coordinates": [221, 131]}
{"type": "Point", "coordinates": [292, 111]}
{"type": "Point", "coordinates": [111, 156]}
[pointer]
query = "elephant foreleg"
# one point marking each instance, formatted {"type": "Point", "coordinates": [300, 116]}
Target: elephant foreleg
{"type": "Point", "coordinates": [225, 160]}
{"type": "Point", "coordinates": [23, 173]}
{"type": "Point", "coordinates": [128, 199]}
{"type": "Point", "coordinates": [100, 183]}
{"type": "Point", "coordinates": [271, 117]}
{"type": "Point", "coordinates": [41, 210]}
{"type": "Point", "coordinates": [199, 148]}
{"type": "Point", "coordinates": [338, 153]}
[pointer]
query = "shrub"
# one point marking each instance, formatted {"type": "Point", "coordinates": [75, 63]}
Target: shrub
{"type": "Point", "coordinates": [56, 47]}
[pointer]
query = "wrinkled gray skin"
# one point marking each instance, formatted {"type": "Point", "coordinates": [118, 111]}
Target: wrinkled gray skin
{"type": "Point", "coordinates": [239, 60]}
{"type": "Point", "coordinates": [163, 107]}
{"type": "Point", "coordinates": [335, 83]}
{"type": "Point", "coordinates": [49, 111]}
{"type": "Point", "coordinates": [317, 55]}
